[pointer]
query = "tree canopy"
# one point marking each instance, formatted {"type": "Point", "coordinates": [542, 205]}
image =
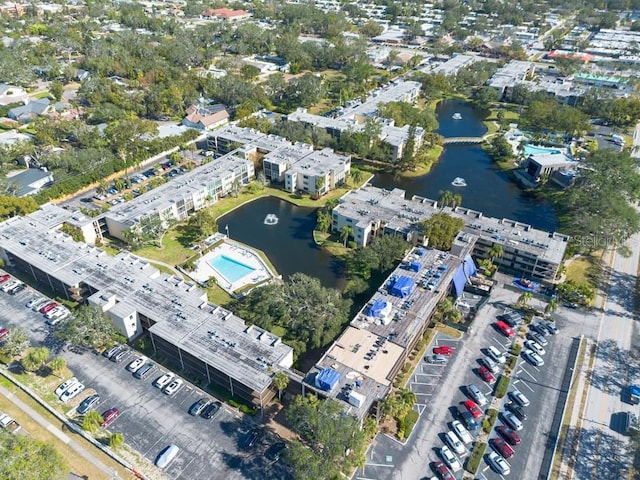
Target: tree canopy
{"type": "Point", "coordinates": [311, 314]}
{"type": "Point", "coordinates": [25, 458]}
{"type": "Point", "coordinates": [334, 443]}
{"type": "Point", "coordinates": [441, 229]}
{"type": "Point", "coordinates": [87, 327]}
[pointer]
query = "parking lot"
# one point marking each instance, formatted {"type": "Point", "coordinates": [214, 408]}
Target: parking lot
{"type": "Point", "coordinates": [151, 420]}
{"type": "Point", "coordinates": [441, 389]}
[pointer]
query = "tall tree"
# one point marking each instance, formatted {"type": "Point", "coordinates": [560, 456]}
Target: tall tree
{"type": "Point", "coordinates": [87, 327]}
{"type": "Point", "coordinates": [25, 458]}
{"type": "Point", "coordinates": [280, 381]}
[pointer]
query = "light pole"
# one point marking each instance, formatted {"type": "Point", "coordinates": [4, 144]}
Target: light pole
{"type": "Point", "coordinates": [227, 229]}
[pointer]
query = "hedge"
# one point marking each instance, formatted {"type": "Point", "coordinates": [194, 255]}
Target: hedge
{"type": "Point", "coordinates": [489, 420]}
{"type": "Point", "coordinates": [406, 424]}
{"type": "Point", "coordinates": [516, 349]}
{"type": "Point", "coordinates": [502, 387]}
{"type": "Point", "coordinates": [473, 462]}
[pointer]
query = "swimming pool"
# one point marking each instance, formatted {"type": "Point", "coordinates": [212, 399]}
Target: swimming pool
{"type": "Point", "coordinates": [232, 270]}
{"type": "Point", "coordinates": [532, 149]}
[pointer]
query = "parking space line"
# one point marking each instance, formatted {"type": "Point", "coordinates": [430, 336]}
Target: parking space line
{"type": "Point", "coordinates": [499, 343]}
{"type": "Point", "coordinates": [365, 478]}
{"type": "Point", "coordinates": [428, 374]}
{"type": "Point", "coordinates": [527, 385]}
{"type": "Point", "coordinates": [532, 377]}
{"type": "Point", "coordinates": [388, 465]}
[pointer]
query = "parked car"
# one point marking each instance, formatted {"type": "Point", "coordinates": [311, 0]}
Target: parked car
{"type": "Point", "coordinates": [38, 304]}
{"type": "Point", "coordinates": [476, 395]}
{"type": "Point", "coordinates": [539, 328]}
{"type": "Point", "coordinates": [505, 329]}
{"type": "Point", "coordinates": [496, 355]}
{"type": "Point", "coordinates": [166, 456]}
{"type": "Point", "coordinates": [533, 358]}
{"type": "Point", "coordinates": [473, 409]}
{"type": "Point", "coordinates": [511, 436]}
{"type": "Point", "coordinates": [251, 439]}
{"type": "Point", "coordinates": [48, 307]}
{"type": "Point", "coordinates": [513, 422]}
{"type": "Point", "coordinates": [4, 278]}
{"type": "Point", "coordinates": [450, 459]}
{"type": "Point", "coordinates": [443, 350]}
{"type": "Point", "coordinates": [109, 416]}
{"type": "Point", "coordinates": [499, 464]}
{"type": "Point", "coordinates": [486, 375]}
{"type": "Point", "coordinates": [490, 364]}
{"type": "Point", "coordinates": [112, 351]}
{"type": "Point", "coordinates": [73, 391]}
{"type": "Point", "coordinates": [468, 420]}
{"type": "Point", "coordinates": [436, 359]}
{"type": "Point", "coordinates": [551, 327]}
{"type": "Point", "coordinates": [197, 408]}
{"type": "Point", "coordinates": [535, 346]}
{"type": "Point", "coordinates": [519, 397]}
{"type": "Point", "coordinates": [3, 333]}
{"type": "Point", "coordinates": [212, 410]}
{"type": "Point", "coordinates": [462, 433]}
{"type": "Point", "coordinates": [517, 410]}
{"type": "Point", "coordinates": [502, 447]}
{"type": "Point", "coordinates": [119, 355]}
{"type": "Point", "coordinates": [454, 442]}
{"type": "Point", "coordinates": [9, 285]}
{"type": "Point", "coordinates": [88, 403]}
{"type": "Point", "coordinates": [173, 387]}
{"type": "Point", "coordinates": [536, 337]}
{"type": "Point", "coordinates": [136, 364]}
{"type": "Point", "coordinates": [275, 451]}
{"type": "Point", "coordinates": [64, 385]}
{"type": "Point", "coordinates": [164, 380]}
{"type": "Point", "coordinates": [17, 289]}
{"type": "Point", "coordinates": [144, 370]}
{"type": "Point", "coordinates": [443, 471]}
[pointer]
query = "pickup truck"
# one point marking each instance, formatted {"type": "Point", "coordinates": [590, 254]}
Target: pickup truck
{"type": "Point", "coordinates": [8, 423]}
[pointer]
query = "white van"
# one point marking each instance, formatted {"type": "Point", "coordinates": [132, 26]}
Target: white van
{"type": "Point", "coordinates": [167, 455]}
{"type": "Point", "coordinates": [454, 442]}
{"type": "Point", "coordinates": [496, 354]}
{"type": "Point", "coordinates": [71, 392]}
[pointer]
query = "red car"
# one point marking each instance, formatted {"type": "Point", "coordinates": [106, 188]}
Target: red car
{"type": "Point", "coordinates": [473, 408]}
{"type": "Point", "coordinates": [443, 350]}
{"type": "Point", "coordinates": [509, 435]}
{"type": "Point", "coordinates": [443, 472]}
{"type": "Point", "coordinates": [502, 447]}
{"type": "Point", "coordinates": [109, 416]}
{"type": "Point", "coordinates": [48, 307]}
{"type": "Point", "coordinates": [506, 330]}
{"type": "Point", "coordinates": [3, 333]}
{"type": "Point", "coordinates": [486, 375]}
{"type": "Point", "coordinates": [4, 277]}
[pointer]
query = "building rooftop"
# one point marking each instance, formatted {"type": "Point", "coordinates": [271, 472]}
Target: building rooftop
{"type": "Point", "coordinates": [179, 308]}
{"type": "Point", "coordinates": [451, 66]}
{"type": "Point", "coordinates": [552, 159]}
{"type": "Point", "coordinates": [370, 204]}
{"type": "Point", "coordinates": [319, 162]}
{"type": "Point", "coordinates": [396, 92]}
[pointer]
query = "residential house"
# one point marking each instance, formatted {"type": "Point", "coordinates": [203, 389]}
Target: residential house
{"type": "Point", "coordinates": [30, 181]}
{"type": "Point", "coordinates": [205, 117]}
{"type": "Point", "coordinates": [31, 110]}
{"type": "Point", "coordinates": [540, 165]}
{"type": "Point", "coordinates": [12, 94]}
{"type": "Point", "coordinates": [225, 14]}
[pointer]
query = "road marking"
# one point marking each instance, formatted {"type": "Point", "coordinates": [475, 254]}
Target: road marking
{"type": "Point", "coordinates": [532, 377]}
{"type": "Point", "coordinates": [429, 374]}
{"type": "Point", "coordinates": [422, 383]}
{"type": "Point", "coordinates": [365, 478]}
{"type": "Point", "coordinates": [527, 385]}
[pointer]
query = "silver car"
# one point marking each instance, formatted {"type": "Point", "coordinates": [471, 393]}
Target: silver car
{"type": "Point", "coordinates": [498, 463]}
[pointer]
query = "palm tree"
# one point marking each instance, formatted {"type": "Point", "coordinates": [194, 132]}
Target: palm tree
{"type": "Point", "coordinates": [280, 381]}
{"type": "Point", "coordinates": [345, 233]}
{"type": "Point", "coordinates": [446, 198]}
{"type": "Point", "coordinates": [102, 187]}
{"type": "Point", "coordinates": [551, 307]}
{"type": "Point", "coordinates": [496, 251]}
{"type": "Point", "coordinates": [357, 176]}
{"type": "Point", "coordinates": [456, 200]}
{"type": "Point", "coordinates": [524, 298]}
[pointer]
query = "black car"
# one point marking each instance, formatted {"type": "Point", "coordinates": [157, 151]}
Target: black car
{"type": "Point", "coordinates": [517, 410]}
{"type": "Point", "coordinates": [211, 410]}
{"type": "Point", "coordinates": [468, 420]}
{"type": "Point", "coordinates": [88, 403]}
{"type": "Point", "coordinates": [252, 438]}
{"type": "Point", "coordinates": [275, 451]}
{"type": "Point", "coordinates": [17, 288]}
{"type": "Point", "coordinates": [198, 407]}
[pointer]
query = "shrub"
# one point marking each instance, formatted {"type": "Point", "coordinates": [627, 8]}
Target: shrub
{"type": "Point", "coordinates": [516, 349]}
{"type": "Point", "coordinates": [502, 387]}
{"type": "Point", "coordinates": [489, 420]}
{"type": "Point", "coordinates": [512, 363]}
{"type": "Point", "coordinates": [410, 420]}
{"type": "Point", "coordinates": [476, 456]}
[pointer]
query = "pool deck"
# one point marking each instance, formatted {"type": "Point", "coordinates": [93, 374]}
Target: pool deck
{"type": "Point", "coordinates": [239, 253]}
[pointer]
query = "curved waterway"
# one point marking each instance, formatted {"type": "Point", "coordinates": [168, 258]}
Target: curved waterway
{"type": "Point", "coordinates": [488, 189]}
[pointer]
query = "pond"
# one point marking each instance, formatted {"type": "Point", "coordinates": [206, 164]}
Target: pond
{"type": "Point", "coordinates": [288, 243]}
{"type": "Point", "coordinates": [488, 189]}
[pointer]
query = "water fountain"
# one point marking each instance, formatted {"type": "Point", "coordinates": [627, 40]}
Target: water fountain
{"type": "Point", "coordinates": [271, 219]}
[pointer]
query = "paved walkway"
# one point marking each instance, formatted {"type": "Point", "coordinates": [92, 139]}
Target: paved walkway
{"type": "Point", "coordinates": [79, 449]}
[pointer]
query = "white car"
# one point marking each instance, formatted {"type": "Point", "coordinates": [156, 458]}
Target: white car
{"type": "Point", "coordinates": [535, 346]}
{"type": "Point", "coordinates": [462, 432]}
{"type": "Point", "coordinates": [55, 312]}
{"type": "Point", "coordinates": [173, 387]}
{"type": "Point", "coordinates": [496, 354]}
{"type": "Point", "coordinates": [39, 304]}
{"type": "Point", "coordinates": [518, 397]}
{"type": "Point", "coordinates": [450, 459]}
{"type": "Point", "coordinates": [57, 319]}
{"type": "Point", "coordinates": [533, 358]}
{"type": "Point", "coordinates": [454, 442]}
{"type": "Point", "coordinates": [164, 380]}
{"type": "Point", "coordinates": [73, 390]}
{"type": "Point", "coordinates": [490, 364]}
{"type": "Point", "coordinates": [499, 464]}
{"type": "Point", "coordinates": [9, 285]}
{"type": "Point", "coordinates": [34, 301]}
{"type": "Point", "coordinates": [64, 385]}
{"type": "Point", "coordinates": [136, 364]}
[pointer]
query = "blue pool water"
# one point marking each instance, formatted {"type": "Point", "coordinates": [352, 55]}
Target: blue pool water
{"type": "Point", "coordinates": [230, 269]}
{"type": "Point", "coordinates": [531, 150]}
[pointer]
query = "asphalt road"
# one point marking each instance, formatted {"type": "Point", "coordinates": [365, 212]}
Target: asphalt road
{"type": "Point", "coordinates": [151, 420]}
{"type": "Point", "coordinates": [441, 388]}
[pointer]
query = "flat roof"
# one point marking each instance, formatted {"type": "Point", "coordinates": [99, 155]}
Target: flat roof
{"type": "Point", "coordinates": [179, 307]}
{"type": "Point", "coordinates": [372, 204]}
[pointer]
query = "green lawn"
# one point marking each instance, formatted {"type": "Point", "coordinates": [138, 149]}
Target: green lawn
{"type": "Point", "coordinates": [585, 269]}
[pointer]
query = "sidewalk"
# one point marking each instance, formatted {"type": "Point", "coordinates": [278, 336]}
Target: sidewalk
{"type": "Point", "coordinates": [108, 472]}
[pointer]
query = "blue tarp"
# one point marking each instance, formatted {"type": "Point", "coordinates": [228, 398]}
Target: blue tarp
{"type": "Point", "coordinates": [403, 287]}
{"type": "Point", "coordinates": [327, 378]}
{"type": "Point", "coordinates": [414, 266]}
{"type": "Point", "coordinates": [377, 307]}
{"type": "Point", "coordinates": [465, 270]}
{"type": "Point", "coordinates": [526, 285]}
